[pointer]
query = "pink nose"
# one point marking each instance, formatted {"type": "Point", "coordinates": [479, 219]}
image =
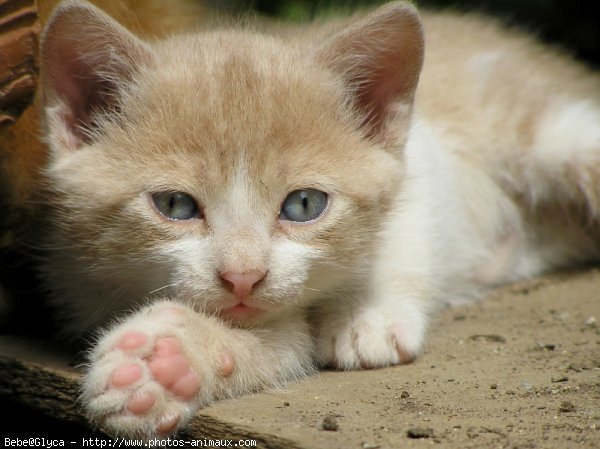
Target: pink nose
{"type": "Point", "coordinates": [241, 284]}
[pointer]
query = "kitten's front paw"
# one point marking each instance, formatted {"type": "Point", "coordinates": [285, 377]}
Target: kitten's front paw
{"type": "Point", "coordinates": [371, 338]}
{"type": "Point", "coordinates": [142, 382]}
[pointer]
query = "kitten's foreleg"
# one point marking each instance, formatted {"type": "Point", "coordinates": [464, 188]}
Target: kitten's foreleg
{"type": "Point", "coordinates": [384, 320]}
{"type": "Point", "coordinates": [149, 374]}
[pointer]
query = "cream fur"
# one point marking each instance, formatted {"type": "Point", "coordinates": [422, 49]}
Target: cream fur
{"type": "Point", "coordinates": [486, 174]}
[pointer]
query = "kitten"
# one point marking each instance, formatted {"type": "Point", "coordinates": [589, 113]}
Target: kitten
{"type": "Point", "coordinates": [269, 205]}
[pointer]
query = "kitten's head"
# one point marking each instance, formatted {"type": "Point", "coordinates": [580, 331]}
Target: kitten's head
{"type": "Point", "coordinates": [228, 169]}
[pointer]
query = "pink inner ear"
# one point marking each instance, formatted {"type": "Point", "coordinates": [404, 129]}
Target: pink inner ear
{"type": "Point", "coordinates": [82, 51]}
{"type": "Point", "coordinates": [377, 97]}
{"type": "Point", "coordinates": [392, 78]}
{"type": "Point", "coordinates": [82, 91]}
{"type": "Point", "coordinates": [76, 114]}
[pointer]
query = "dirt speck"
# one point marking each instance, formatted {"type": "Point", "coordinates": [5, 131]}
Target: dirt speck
{"type": "Point", "coordinates": [488, 337]}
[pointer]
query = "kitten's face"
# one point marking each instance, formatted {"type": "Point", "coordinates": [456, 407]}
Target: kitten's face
{"type": "Point", "coordinates": [226, 156]}
{"type": "Point", "coordinates": [237, 131]}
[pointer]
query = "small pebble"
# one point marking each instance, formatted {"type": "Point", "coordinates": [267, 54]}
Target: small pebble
{"type": "Point", "coordinates": [546, 346]}
{"type": "Point", "coordinates": [404, 395]}
{"type": "Point", "coordinates": [590, 322]}
{"type": "Point", "coordinates": [566, 407]}
{"type": "Point", "coordinates": [419, 432]}
{"type": "Point", "coordinates": [286, 404]}
{"type": "Point", "coordinates": [330, 423]}
{"type": "Point", "coordinates": [494, 387]}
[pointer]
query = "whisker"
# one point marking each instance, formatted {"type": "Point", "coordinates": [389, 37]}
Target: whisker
{"type": "Point", "coordinates": [162, 288]}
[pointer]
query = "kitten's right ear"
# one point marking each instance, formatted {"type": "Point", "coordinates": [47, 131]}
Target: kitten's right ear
{"type": "Point", "coordinates": [86, 57]}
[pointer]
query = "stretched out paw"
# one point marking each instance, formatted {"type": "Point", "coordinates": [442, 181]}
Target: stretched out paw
{"type": "Point", "coordinates": [371, 338]}
{"type": "Point", "coordinates": [142, 381]}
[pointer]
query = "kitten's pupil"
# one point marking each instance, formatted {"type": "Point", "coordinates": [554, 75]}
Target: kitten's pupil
{"type": "Point", "coordinates": [303, 205]}
{"type": "Point", "coordinates": [305, 202]}
{"type": "Point", "coordinates": [176, 205]}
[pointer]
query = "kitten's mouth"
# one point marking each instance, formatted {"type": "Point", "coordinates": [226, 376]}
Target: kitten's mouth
{"type": "Point", "coordinates": [240, 311]}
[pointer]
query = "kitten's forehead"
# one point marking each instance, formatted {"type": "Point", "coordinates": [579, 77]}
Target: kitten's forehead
{"type": "Point", "coordinates": [218, 105]}
{"type": "Point", "coordinates": [245, 92]}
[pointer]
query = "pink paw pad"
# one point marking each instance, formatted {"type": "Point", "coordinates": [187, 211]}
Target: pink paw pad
{"type": "Point", "coordinates": [226, 367]}
{"type": "Point", "coordinates": [168, 424]}
{"type": "Point", "coordinates": [132, 340]}
{"type": "Point", "coordinates": [125, 375]}
{"type": "Point", "coordinates": [172, 370]}
{"type": "Point", "coordinates": [141, 404]}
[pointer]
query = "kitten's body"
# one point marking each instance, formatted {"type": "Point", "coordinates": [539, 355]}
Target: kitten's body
{"type": "Point", "coordinates": [491, 179]}
{"type": "Point", "coordinates": [519, 126]}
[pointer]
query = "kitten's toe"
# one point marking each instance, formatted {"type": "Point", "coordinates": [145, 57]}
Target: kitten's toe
{"type": "Point", "coordinates": [390, 350]}
{"type": "Point", "coordinates": [126, 375]}
{"type": "Point", "coordinates": [141, 403]}
{"type": "Point", "coordinates": [171, 369]}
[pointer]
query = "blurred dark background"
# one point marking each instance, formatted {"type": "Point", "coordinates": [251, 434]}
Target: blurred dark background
{"type": "Point", "coordinates": [571, 24]}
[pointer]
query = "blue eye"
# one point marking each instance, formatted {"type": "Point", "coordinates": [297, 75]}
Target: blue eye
{"type": "Point", "coordinates": [176, 205]}
{"type": "Point", "coordinates": [303, 205]}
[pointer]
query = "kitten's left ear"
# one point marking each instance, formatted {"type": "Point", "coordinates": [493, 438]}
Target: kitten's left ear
{"type": "Point", "coordinates": [86, 58]}
{"type": "Point", "coordinates": [379, 59]}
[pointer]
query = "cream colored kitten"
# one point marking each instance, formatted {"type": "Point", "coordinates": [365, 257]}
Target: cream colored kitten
{"type": "Point", "coordinates": [270, 205]}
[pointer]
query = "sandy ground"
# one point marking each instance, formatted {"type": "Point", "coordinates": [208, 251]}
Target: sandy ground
{"type": "Point", "coordinates": [518, 370]}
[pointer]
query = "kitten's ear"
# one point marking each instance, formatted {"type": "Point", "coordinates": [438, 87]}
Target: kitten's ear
{"type": "Point", "coordinates": [380, 59]}
{"type": "Point", "coordinates": [86, 56]}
